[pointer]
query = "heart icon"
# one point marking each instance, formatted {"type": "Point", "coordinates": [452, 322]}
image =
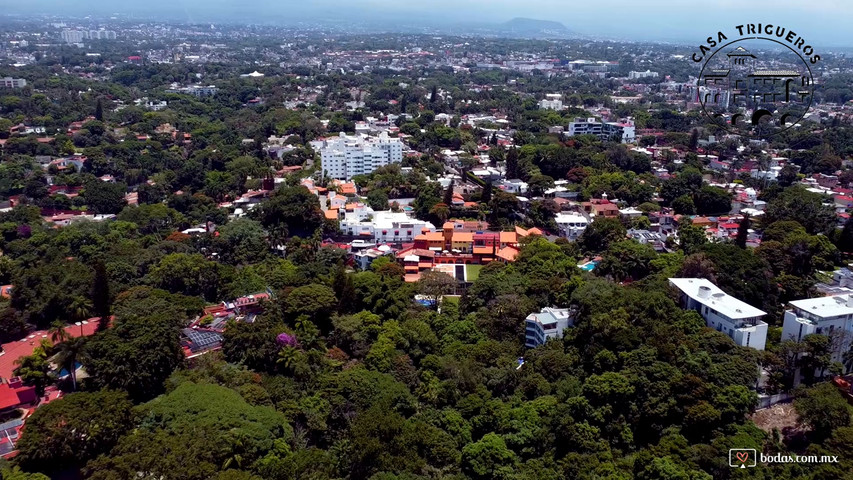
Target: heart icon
{"type": "Point", "coordinates": [742, 456]}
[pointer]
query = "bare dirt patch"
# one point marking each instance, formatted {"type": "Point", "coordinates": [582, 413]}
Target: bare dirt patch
{"type": "Point", "coordinates": [781, 416]}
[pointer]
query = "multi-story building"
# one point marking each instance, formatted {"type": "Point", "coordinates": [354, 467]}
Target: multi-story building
{"type": "Point", "coordinates": [647, 74]}
{"type": "Point", "coordinates": [830, 316]}
{"type": "Point", "coordinates": [73, 36]}
{"type": "Point", "coordinates": [722, 312]}
{"type": "Point", "coordinates": [548, 323]}
{"type": "Point", "coordinates": [102, 35]}
{"type": "Point", "coordinates": [382, 226]}
{"type": "Point", "coordinates": [9, 82]}
{"type": "Point", "coordinates": [345, 156]}
{"type": "Point", "coordinates": [571, 224]}
{"type": "Point", "coordinates": [623, 132]}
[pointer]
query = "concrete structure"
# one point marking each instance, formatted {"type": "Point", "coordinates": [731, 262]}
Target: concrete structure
{"type": "Point", "coordinates": [552, 101]}
{"type": "Point", "coordinates": [73, 36]}
{"type": "Point", "coordinates": [549, 323]}
{"type": "Point", "coordinates": [102, 35]}
{"type": "Point", "coordinates": [831, 316]}
{"type": "Point", "coordinates": [647, 74]}
{"type": "Point", "coordinates": [622, 132]}
{"type": "Point", "coordinates": [9, 82]}
{"type": "Point", "coordinates": [382, 226]}
{"type": "Point", "coordinates": [722, 312]}
{"type": "Point", "coordinates": [344, 156]}
{"type": "Point", "coordinates": [513, 185]}
{"type": "Point", "coordinates": [194, 90]}
{"type": "Point", "coordinates": [571, 224]}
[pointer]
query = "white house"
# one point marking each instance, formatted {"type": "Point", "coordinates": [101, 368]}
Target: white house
{"type": "Point", "coordinates": [549, 323]}
{"type": "Point", "coordinates": [344, 156]}
{"type": "Point", "coordinates": [383, 226]}
{"type": "Point", "coordinates": [513, 185]}
{"type": "Point", "coordinates": [571, 224]}
{"type": "Point", "coordinates": [722, 312]}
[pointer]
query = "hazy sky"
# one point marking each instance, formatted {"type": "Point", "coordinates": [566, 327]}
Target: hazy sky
{"type": "Point", "coordinates": [822, 22]}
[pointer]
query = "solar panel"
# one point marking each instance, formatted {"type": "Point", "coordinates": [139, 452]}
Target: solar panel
{"type": "Point", "coordinates": [201, 339]}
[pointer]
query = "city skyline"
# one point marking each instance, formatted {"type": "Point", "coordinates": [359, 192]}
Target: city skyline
{"type": "Point", "coordinates": [824, 21]}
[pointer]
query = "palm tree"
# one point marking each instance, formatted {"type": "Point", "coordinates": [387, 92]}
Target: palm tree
{"type": "Point", "coordinates": [68, 353]}
{"type": "Point", "coordinates": [441, 211]}
{"type": "Point", "coordinates": [81, 308]}
{"type": "Point", "coordinates": [57, 332]}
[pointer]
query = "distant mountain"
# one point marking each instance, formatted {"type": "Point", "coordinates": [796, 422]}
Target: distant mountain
{"type": "Point", "coordinates": [529, 27]}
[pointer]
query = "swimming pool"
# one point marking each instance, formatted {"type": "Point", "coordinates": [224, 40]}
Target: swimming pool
{"type": "Point", "coordinates": [588, 266]}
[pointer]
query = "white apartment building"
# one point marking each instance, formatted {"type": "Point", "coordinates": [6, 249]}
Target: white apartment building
{"type": "Point", "coordinates": [624, 132]}
{"type": "Point", "coordinates": [722, 312]}
{"type": "Point", "coordinates": [647, 74]}
{"type": "Point", "coordinates": [548, 323]}
{"type": "Point", "coordinates": [9, 82]}
{"type": "Point", "coordinates": [831, 316]}
{"type": "Point", "coordinates": [344, 156]}
{"type": "Point", "coordinates": [73, 36]}
{"type": "Point", "coordinates": [571, 224]}
{"type": "Point", "coordinates": [102, 35]}
{"type": "Point", "coordinates": [382, 226]}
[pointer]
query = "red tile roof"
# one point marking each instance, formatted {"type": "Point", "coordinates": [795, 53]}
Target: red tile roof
{"type": "Point", "coordinates": [24, 347]}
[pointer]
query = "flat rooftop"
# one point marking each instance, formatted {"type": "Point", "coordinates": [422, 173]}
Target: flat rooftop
{"type": "Point", "coordinates": [825, 306]}
{"type": "Point", "coordinates": [716, 298]}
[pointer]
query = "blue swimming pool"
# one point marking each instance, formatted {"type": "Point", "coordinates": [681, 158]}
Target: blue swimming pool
{"type": "Point", "coordinates": [588, 266]}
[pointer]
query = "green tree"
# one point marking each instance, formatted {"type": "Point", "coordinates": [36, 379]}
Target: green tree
{"type": "Point", "coordinates": [137, 355]}
{"type": "Point", "coordinates": [68, 353]}
{"type": "Point", "coordinates": [167, 443]}
{"type": "Point", "coordinates": [74, 429]}
{"type": "Point", "coordinates": [742, 232]}
{"type": "Point", "coordinates": [99, 110]}
{"type": "Point", "coordinates": [290, 211]}
{"type": "Point", "coordinates": [104, 197]}
{"type": "Point", "coordinates": [798, 204]}
{"type": "Point", "coordinates": [823, 409]}
{"type": "Point", "coordinates": [488, 458]}
{"type": "Point", "coordinates": [600, 234]}
{"type": "Point", "coordinates": [34, 369]}
{"type": "Point", "coordinates": [684, 205]}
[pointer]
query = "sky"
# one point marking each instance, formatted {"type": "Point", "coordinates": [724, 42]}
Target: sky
{"type": "Point", "coordinates": [822, 22]}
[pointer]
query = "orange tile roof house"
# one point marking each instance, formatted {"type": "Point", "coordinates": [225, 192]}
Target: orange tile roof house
{"type": "Point", "coordinates": [601, 207]}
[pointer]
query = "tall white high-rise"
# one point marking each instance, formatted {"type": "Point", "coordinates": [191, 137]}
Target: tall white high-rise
{"type": "Point", "coordinates": [73, 36]}
{"type": "Point", "coordinates": [345, 156]}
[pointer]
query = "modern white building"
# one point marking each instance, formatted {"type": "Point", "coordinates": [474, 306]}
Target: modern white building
{"type": "Point", "coordinates": [9, 82]}
{"type": "Point", "coordinates": [722, 312]}
{"type": "Point", "coordinates": [382, 226]}
{"type": "Point", "coordinates": [647, 74]}
{"type": "Point", "coordinates": [571, 224]}
{"type": "Point", "coordinates": [345, 156]}
{"type": "Point", "coordinates": [623, 132]}
{"type": "Point", "coordinates": [552, 101]}
{"type": "Point", "coordinates": [73, 36]}
{"type": "Point", "coordinates": [102, 35]}
{"type": "Point", "coordinates": [831, 316]}
{"type": "Point", "coordinates": [513, 185]}
{"type": "Point", "coordinates": [548, 323]}
{"type": "Point", "coordinates": [194, 90]}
